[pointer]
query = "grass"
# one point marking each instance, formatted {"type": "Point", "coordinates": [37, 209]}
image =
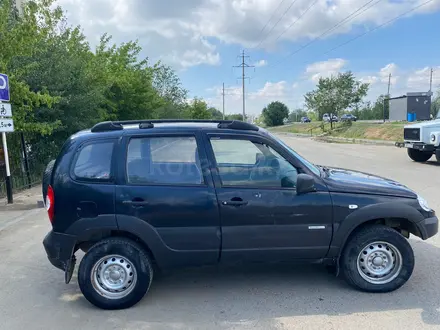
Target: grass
{"type": "Point", "coordinates": [358, 130]}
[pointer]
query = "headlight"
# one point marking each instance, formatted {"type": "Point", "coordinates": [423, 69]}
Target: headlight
{"type": "Point", "coordinates": [423, 203]}
{"type": "Point", "coordinates": [432, 137]}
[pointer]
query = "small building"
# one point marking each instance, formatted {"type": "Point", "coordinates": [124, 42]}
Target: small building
{"type": "Point", "coordinates": [417, 104]}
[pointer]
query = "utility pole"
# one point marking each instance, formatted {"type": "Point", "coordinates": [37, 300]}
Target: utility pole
{"type": "Point", "coordinates": [430, 81]}
{"type": "Point", "coordinates": [243, 66]}
{"type": "Point", "coordinates": [223, 95]}
{"type": "Point", "coordinates": [386, 98]}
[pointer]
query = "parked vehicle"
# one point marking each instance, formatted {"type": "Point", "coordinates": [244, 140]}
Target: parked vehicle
{"type": "Point", "coordinates": [305, 120]}
{"type": "Point", "coordinates": [422, 140]}
{"type": "Point", "coordinates": [348, 117]}
{"type": "Point", "coordinates": [188, 193]}
{"type": "Point", "coordinates": [326, 117]}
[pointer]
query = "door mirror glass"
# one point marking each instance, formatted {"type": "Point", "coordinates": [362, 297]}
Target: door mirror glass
{"type": "Point", "coordinates": [305, 184]}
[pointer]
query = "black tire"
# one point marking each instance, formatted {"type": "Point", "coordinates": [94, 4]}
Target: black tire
{"type": "Point", "coordinates": [127, 249]}
{"type": "Point", "coordinates": [419, 156]}
{"type": "Point", "coordinates": [356, 245]}
{"type": "Point", "coordinates": [47, 174]}
{"type": "Point", "coordinates": [437, 155]}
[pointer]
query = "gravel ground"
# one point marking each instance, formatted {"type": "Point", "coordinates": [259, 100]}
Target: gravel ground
{"type": "Point", "coordinates": [33, 295]}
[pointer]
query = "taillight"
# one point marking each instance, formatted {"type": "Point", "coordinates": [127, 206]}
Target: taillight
{"type": "Point", "coordinates": [50, 203]}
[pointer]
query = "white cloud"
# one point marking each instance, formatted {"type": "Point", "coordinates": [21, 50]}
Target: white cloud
{"type": "Point", "coordinates": [325, 68]}
{"type": "Point", "coordinates": [260, 63]}
{"type": "Point", "coordinates": [179, 32]}
{"type": "Point", "coordinates": [270, 90]}
{"type": "Point", "coordinates": [418, 80]}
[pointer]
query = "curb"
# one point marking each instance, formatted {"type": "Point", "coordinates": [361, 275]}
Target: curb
{"type": "Point", "coordinates": [356, 141]}
{"type": "Point", "coordinates": [324, 138]}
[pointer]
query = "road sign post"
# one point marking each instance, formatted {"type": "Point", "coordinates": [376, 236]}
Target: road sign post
{"type": "Point", "coordinates": [6, 125]}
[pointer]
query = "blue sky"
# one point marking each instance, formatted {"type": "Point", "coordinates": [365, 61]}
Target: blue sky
{"type": "Point", "coordinates": [201, 39]}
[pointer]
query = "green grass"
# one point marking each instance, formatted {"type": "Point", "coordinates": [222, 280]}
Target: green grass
{"type": "Point", "coordinates": [358, 130]}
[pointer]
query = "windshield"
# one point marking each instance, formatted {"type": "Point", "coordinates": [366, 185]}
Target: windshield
{"type": "Point", "coordinates": [438, 115]}
{"type": "Point", "coordinates": [309, 165]}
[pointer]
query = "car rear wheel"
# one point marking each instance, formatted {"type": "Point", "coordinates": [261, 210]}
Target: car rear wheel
{"type": "Point", "coordinates": [377, 259]}
{"type": "Point", "coordinates": [115, 273]}
{"type": "Point", "coordinates": [419, 156]}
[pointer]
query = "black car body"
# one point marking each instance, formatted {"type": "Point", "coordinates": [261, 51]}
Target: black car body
{"type": "Point", "coordinates": [305, 120]}
{"type": "Point", "coordinates": [348, 117]}
{"type": "Point", "coordinates": [198, 193]}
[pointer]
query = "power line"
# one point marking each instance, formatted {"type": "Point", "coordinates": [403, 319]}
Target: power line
{"type": "Point", "coordinates": [305, 12]}
{"type": "Point", "coordinates": [348, 18]}
{"type": "Point", "coordinates": [272, 16]}
{"type": "Point", "coordinates": [379, 26]}
{"type": "Point", "coordinates": [275, 25]}
{"type": "Point", "coordinates": [244, 66]}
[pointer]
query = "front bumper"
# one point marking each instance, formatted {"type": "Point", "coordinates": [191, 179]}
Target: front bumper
{"type": "Point", "coordinates": [59, 249]}
{"type": "Point", "coordinates": [416, 145]}
{"type": "Point", "coordinates": [428, 227]}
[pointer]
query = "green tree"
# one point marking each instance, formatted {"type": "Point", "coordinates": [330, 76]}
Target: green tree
{"type": "Point", "coordinates": [215, 114]}
{"type": "Point", "coordinates": [236, 116]}
{"type": "Point", "coordinates": [335, 94]}
{"type": "Point", "coordinates": [275, 113]}
{"type": "Point", "coordinates": [435, 106]}
{"type": "Point", "coordinates": [295, 115]}
{"type": "Point", "coordinates": [198, 109]}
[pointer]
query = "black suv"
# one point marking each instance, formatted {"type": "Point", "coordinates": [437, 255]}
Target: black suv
{"type": "Point", "coordinates": [138, 195]}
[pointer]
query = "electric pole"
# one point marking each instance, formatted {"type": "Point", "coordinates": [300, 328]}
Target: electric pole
{"type": "Point", "coordinates": [387, 96]}
{"type": "Point", "coordinates": [244, 66]}
{"type": "Point", "coordinates": [223, 96]}
{"type": "Point", "coordinates": [430, 81]}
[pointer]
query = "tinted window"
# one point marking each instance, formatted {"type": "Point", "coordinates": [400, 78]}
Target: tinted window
{"type": "Point", "coordinates": [163, 160]}
{"type": "Point", "coordinates": [247, 163]}
{"type": "Point", "coordinates": [94, 161]}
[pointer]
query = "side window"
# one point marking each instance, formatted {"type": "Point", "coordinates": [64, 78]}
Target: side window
{"type": "Point", "coordinates": [247, 163]}
{"type": "Point", "coordinates": [94, 161]}
{"type": "Point", "coordinates": [163, 160]}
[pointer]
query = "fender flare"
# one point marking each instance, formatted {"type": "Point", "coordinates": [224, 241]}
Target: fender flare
{"type": "Point", "coordinates": [344, 229]}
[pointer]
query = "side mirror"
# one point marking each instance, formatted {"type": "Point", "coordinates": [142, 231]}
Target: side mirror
{"type": "Point", "coordinates": [305, 184]}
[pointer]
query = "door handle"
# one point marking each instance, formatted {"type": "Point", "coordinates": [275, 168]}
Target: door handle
{"type": "Point", "coordinates": [234, 203]}
{"type": "Point", "coordinates": [135, 202]}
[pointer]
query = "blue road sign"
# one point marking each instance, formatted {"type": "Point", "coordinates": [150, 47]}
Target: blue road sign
{"type": "Point", "coordinates": [4, 88]}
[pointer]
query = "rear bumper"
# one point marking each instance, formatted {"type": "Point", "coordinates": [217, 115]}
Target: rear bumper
{"type": "Point", "coordinates": [59, 248]}
{"type": "Point", "coordinates": [428, 227]}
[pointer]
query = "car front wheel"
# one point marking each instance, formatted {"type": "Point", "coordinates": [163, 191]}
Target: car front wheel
{"type": "Point", "coordinates": [419, 156]}
{"type": "Point", "coordinates": [115, 273]}
{"type": "Point", "coordinates": [377, 259]}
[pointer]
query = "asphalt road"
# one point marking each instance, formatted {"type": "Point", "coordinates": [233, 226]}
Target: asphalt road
{"type": "Point", "coordinates": [33, 295]}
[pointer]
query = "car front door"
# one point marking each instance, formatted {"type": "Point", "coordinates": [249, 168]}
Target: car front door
{"type": "Point", "coordinates": [262, 217]}
{"type": "Point", "coordinates": [169, 197]}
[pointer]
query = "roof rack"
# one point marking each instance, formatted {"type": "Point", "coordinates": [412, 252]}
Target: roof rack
{"type": "Point", "coordinates": [106, 126]}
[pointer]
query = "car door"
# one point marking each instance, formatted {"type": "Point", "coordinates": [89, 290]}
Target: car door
{"type": "Point", "coordinates": [262, 218]}
{"type": "Point", "coordinates": [165, 187]}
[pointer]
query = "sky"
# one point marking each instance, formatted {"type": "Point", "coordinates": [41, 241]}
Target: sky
{"type": "Point", "coordinates": [290, 43]}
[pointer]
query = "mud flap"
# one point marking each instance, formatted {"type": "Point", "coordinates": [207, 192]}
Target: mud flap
{"type": "Point", "coordinates": [70, 267]}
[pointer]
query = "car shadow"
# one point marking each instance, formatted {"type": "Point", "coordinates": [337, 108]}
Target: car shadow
{"type": "Point", "coordinates": [260, 294]}
{"type": "Point", "coordinates": [432, 163]}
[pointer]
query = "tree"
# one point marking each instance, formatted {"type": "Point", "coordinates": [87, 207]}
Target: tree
{"type": "Point", "coordinates": [335, 94]}
{"type": "Point", "coordinates": [198, 109]}
{"type": "Point", "coordinates": [215, 114]}
{"type": "Point", "coordinates": [295, 115]}
{"type": "Point", "coordinates": [435, 106]}
{"type": "Point", "coordinates": [275, 113]}
{"type": "Point", "coordinates": [236, 116]}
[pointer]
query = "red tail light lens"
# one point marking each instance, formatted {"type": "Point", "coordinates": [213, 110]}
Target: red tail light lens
{"type": "Point", "coordinates": [50, 203]}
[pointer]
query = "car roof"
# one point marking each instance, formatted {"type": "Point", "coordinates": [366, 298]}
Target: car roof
{"type": "Point", "coordinates": [119, 128]}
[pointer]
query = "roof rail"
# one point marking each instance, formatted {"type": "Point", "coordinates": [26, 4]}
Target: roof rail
{"type": "Point", "coordinates": [147, 123]}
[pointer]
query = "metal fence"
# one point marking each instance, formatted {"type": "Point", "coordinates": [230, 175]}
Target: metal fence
{"type": "Point", "coordinates": [28, 156]}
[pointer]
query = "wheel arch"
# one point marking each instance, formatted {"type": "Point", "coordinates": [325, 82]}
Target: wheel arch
{"type": "Point", "coordinates": [399, 216]}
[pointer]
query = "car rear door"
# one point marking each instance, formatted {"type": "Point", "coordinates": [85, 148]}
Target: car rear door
{"type": "Point", "coordinates": [169, 196]}
{"type": "Point", "coordinates": [261, 218]}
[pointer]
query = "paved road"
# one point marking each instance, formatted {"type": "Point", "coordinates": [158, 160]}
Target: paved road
{"type": "Point", "coordinates": [33, 296]}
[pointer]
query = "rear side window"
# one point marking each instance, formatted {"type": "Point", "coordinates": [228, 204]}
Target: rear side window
{"type": "Point", "coordinates": [94, 161]}
{"type": "Point", "coordinates": [163, 160]}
